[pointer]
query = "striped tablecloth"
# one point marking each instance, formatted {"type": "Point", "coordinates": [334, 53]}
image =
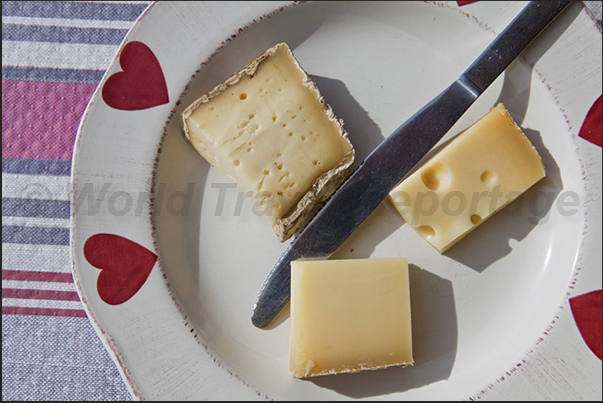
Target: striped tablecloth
{"type": "Point", "coordinates": [53, 56]}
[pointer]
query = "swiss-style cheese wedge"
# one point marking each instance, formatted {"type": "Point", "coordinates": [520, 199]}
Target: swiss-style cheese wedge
{"type": "Point", "coordinates": [474, 176]}
{"type": "Point", "coordinates": [349, 315]}
{"type": "Point", "coordinates": [268, 129]}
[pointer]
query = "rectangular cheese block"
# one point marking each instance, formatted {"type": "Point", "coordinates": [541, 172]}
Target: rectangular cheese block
{"type": "Point", "coordinates": [349, 315]}
{"type": "Point", "coordinates": [474, 176]}
{"type": "Point", "coordinates": [268, 129]}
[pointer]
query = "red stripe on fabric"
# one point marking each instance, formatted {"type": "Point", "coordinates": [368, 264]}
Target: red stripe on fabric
{"type": "Point", "coordinates": [40, 294]}
{"type": "Point", "coordinates": [17, 310]}
{"type": "Point", "coordinates": [37, 276]}
{"type": "Point", "coordinates": [40, 119]}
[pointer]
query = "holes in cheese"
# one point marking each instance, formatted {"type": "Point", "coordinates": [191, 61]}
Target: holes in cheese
{"type": "Point", "coordinates": [349, 315]}
{"type": "Point", "coordinates": [426, 231]}
{"type": "Point", "coordinates": [470, 179]}
{"type": "Point", "coordinates": [436, 176]}
{"type": "Point", "coordinates": [476, 219]}
{"type": "Point", "coordinates": [257, 121]}
{"type": "Point", "coordinates": [488, 178]}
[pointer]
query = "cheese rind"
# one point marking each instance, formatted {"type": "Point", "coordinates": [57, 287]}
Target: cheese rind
{"type": "Point", "coordinates": [349, 315]}
{"type": "Point", "coordinates": [268, 130]}
{"type": "Point", "coordinates": [477, 174]}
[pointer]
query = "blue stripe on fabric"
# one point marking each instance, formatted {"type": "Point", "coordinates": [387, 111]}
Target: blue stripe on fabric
{"type": "Point", "coordinates": [73, 10]}
{"type": "Point", "coordinates": [52, 75]}
{"type": "Point", "coordinates": [40, 33]}
{"type": "Point", "coordinates": [50, 358]}
{"type": "Point", "coordinates": [12, 207]}
{"type": "Point", "coordinates": [36, 167]}
{"type": "Point", "coordinates": [35, 235]}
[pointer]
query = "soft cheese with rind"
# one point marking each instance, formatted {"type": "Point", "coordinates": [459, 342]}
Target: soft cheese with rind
{"type": "Point", "coordinates": [268, 130]}
{"type": "Point", "coordinates": [478, 173]}
{"type": "Point", "coordinates": [349, 315]}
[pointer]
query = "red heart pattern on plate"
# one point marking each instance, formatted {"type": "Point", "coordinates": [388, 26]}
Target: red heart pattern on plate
{"type": "Point", "coordinates": [141, 84]}
{"type": "Point", "coordinates": [591, 129]}
{"type": "Point", "coordinates": [587, 312]}
{"type": "Point", "coordinates": [124, 264]}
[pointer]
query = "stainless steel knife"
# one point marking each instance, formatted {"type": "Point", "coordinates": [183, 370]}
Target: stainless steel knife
{"type": "Point", "coordinates": [387, 165]}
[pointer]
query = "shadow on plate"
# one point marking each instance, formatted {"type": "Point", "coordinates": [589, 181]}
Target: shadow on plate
{"type": "Point", "coordinates": [516, 85]}
{"type": "Point", "coordinates": [378, 226]}
{"type": "Point", "coordinates": [363, 132]}
{"type": "Point", "coordinates": [435, 337]}
{"type": "Point", "coordinates": [365, 135]}
{"type": "Point", "coordinates": [490, 241]}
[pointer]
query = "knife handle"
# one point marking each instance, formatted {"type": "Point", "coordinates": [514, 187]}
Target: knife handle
{"type": "Point", "coordinates": [511, 42]}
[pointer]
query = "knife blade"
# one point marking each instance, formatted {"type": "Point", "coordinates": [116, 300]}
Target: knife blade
{"type": "Point", "coordinates": [389, 163]}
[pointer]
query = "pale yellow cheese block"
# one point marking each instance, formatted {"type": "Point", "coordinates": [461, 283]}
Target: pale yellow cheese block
{"type": "Point", "coordinates": [268, 130]}
{"type": "Point", "coordinates": [477, 174]}
{"type": "Point", "coordinates": [349, 315]}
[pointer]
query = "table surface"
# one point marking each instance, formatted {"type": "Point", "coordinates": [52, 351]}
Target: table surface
{"type": "Point", "coordinates": [53, 56]}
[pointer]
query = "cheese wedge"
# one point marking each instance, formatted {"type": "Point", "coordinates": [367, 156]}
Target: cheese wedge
{"type": "Point", "coordinates": [477, 174]}
{"type": "Point", "coordinates": [349, 315]}
{"type": "Point", "coordinates": [268, 130]}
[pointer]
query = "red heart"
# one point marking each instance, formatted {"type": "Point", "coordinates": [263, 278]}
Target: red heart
{"type": "Point", "coordinates": [587, 312]}
{"type": "Point", "coordinates": [141, 84]}
{"type": "Point", "coordinates": [125, 266]}
{"type": "Point", "coordinates": [591, 128]}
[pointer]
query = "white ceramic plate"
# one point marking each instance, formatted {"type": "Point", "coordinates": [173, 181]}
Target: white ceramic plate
{"type": "Point", "coordinates": [491, 318]}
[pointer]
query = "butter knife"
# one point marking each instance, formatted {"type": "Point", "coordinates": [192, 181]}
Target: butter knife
{"type": "Point", "coordinates": [389, 163]}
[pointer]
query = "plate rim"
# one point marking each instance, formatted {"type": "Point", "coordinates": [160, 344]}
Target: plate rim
{"type": "Point", "coordinates": [118, 356]}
